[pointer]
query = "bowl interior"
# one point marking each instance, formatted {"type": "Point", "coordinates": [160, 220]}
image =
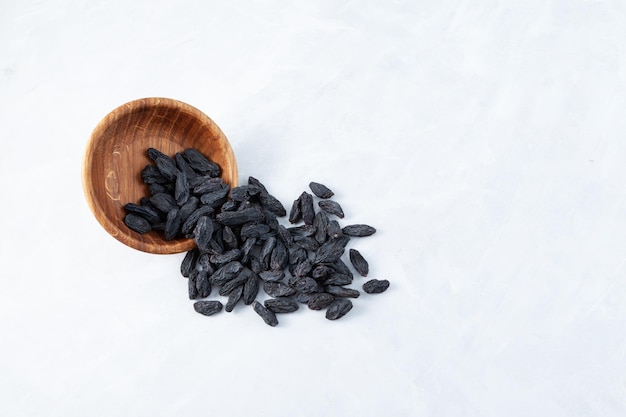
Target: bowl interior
{"type": "Point", "coordinates": [116, 154]}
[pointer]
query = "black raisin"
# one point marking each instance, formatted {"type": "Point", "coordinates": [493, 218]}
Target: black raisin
{"type": "Point", "coordinates": [342, 292]}
{"type": "Point", "coordinates": [321, 227]}
{"type": "Point", "coordinates": [331, 207]}
{"type": "Point", "coordinates": [203, 231]}
{"type": "Point", "coordinates": [331, 250]}
{"type": "Point", "coordinates": [208, 308]}
{"type": "Point", "coordinates": [146, 212]}
{"type": "Point", "coordinates": [295, 214]}
{"type": "Point", "coordinates": [167, 167]}
{"type": "Point", "coordinates": [234, 218]}
{"type": "Point", "coordinates": [137, 223]}
{"type": "Point", "coordinates": [307, 285]}
{"type": "Point", "coordinates": [306, 206]}
{"type": "Point", "coordinates": [267, 315]}
{"type": "Point", "coordinates": [189, 262]}
{"type": "Point", "coordinates": [320, 300]}
{"type": "Point", "coordinates": [278, 289]}
{"type": "Point", "coordinates": [320, 190]}
{"type": "Point", "coordinates": [338, 308]}
{"type": "Point", "coordinates": [181, 190]}
{"type": "Point", "coordinates": [272, 204]}
{"type": "Point", "coordinates": [358, 262]}
{"type": "Point", "coordinates": [375, 286]}
{"type": "Point", "coordinates": [172, 224]}
{"type": "Point", "coordinates": [200, 163]}
{"type": "Point", "coordinates": [272, 276]}
{"type": "Point", "coordinates": [163, 202]}
{"type": "Point", "coordinates": [233, 298]}
{"type": "Point", "coordinates": [358, 230]}
{"type": "Point", "coordinates": [250, 289]}
{"type": "Point", "coordinates": [281, 305]}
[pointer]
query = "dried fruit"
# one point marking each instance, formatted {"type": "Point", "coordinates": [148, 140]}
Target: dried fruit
{"type": "Point", "coordinates": [137, 223]}
{"type": "Point", "coordinates": [358, 262]}
{"type": "Point", "coordinates": [183, 166]}
{"type": "Point", "coordinates": [278, 289]}
{"type": "Point", "coordinates": [163, 202]}
{"type": "Point", "coordinates": [214, 198]}
{"type": "Point", "coordinates": [200, 163]}
{"type": "Point", "coordinates": [172, 224]}
{"type": "Point", "coordinates": [303, 268]}
{"type": "Point", "coordinates": [208, 308]}
{"type": "Point", "coordinates": [154, 154]}
{"type": "Point", "coordinates": [226, 273]}
{"type": "Point", "coordinates": [234, 218]}
{"type": "Point", "coordinates": [281, 305]}
{"type": "Point", "coordinates": [189, 207]}
{"type": "Point", "coordinates": [189, 262]}
{"type": "Point", "coordinates": [320, 222]}
{"type": "Point", "coordinates": [278, 259]}
{"type": "Point", "coordinates": [267, 315]}
{"type": "Point", "coordinates": [333, 229]}
{"type": "Point", "coordinates": [206, 184]}
{"type": "Point", "coordinates": [358, 230]}
{"type": "Point", "coordinates": [229, 238]}
{"type": "Point", "coordinates": [167, 167]}
{"type": "Point", "coordinates": [254, 230]}
{"type": "Point", "coordinates": [338, 308]}
{"type": "Point", "coordinates": [320, 190]}
{"type": "Point", "coordinates": [146, 212]}
{"type": "Point", "coordinates": [203, 231]}
{"type": "Point", "coordinates": [343, 292]}
{"type": "Point", "coordinates": [272, 204]}
{"type": "Point", "coordinates": [233, 298]}
{"type": "Point", "coordinates": [240, 279]}
{"type": "Point", "coordinates": [272, 276]}
{"type": "Point", "coordinates": [295, 214]}
{"type": "Point", "coordinates": [256, 183]}
{"type": "Point", "coordinates": [250, 288]}
{"type": "Point", "coordinates": [306, 206]}
{"type": "Point", "coordinates": [307, 285]}
{"type": "Point", "coordinates": [375, 286]}
{"type": "Point", "coordinates": [320, 300]}
{"type": "Point", "coordinates": [241, 244]}
{"type": "Point", "coordinates": [225, 257]}
{"type": "Point", "coordinates": [331, 207]}
{"type": "Point", "coordinates": [203, 284]}
{"type": "Point", "coordinates": [336, 278]}
{"type": "Point", "coordinates": [331, 250]}
{"type": "Point", "coordinates": [192, 219]}
{"type": "Point", "coordinates": [266, 251]}
{"type": "Point", "coordinates": [192, 291]}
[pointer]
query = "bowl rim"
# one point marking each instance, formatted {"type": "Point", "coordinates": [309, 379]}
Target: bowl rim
{"type": "Point", "coordinates": [99, 212]}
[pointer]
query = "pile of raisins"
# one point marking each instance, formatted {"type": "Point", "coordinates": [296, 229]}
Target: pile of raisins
{"type": "Point", "coordinates": [240, 245]}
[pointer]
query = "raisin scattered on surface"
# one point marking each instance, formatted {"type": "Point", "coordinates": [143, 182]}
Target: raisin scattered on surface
{"type": "Point", "coordinates": [358, 230]}
{"type": "Point", "coordinates": [331, 207]}
{"type": "Point", "coordinates": [281, 305]}
{"type": "Point", "coordinates": [267, 315]}
{"type": "Point", "coordinates": [375, 286]}
{"type": "Point", "coordinates": [358, 262]}
{"type": "Point", "coordinates": [208, 308]}
{"type": "Point", "coordinates": [338, 308]}
{"type": "Point", "coordinates": [320, 190]}
{"type": "Point", "coordinates": [241, 245]}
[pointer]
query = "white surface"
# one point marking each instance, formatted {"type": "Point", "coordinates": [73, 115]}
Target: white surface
{"type": "Point", "coordinates": [484, 139]}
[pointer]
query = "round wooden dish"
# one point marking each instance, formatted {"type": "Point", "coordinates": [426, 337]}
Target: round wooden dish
{"type": "Point", "coordinates": [116, 154]}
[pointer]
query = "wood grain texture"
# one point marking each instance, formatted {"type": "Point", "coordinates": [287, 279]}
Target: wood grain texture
{"type": "Point", "coordinates": [116, 154]}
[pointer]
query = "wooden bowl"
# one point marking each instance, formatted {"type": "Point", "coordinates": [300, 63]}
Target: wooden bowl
{"type": "Point", "coordinates": [116, 154]}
